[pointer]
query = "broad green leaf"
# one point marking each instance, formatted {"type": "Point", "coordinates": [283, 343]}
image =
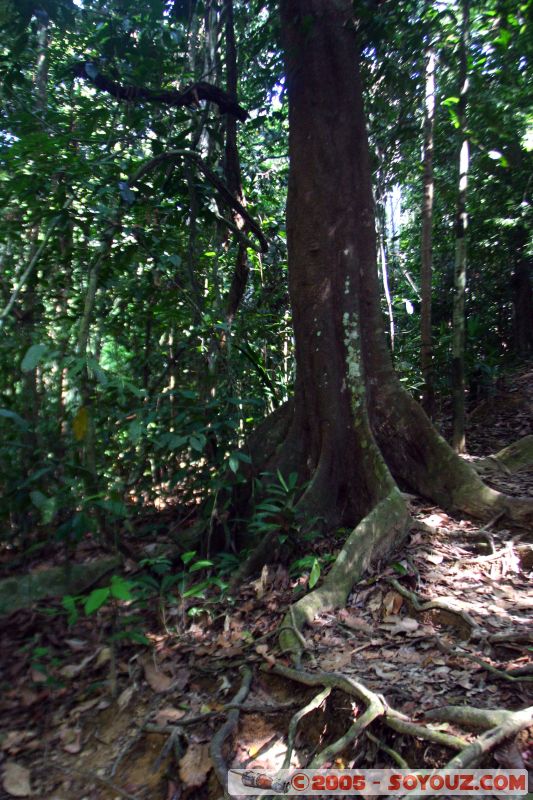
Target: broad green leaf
{"type": "Point", "coordinates": [121, 588]}
{"type": "Point", "coordinates": [197, 442]}
{"type": "Point", "coordinates": [33, 357]}
{"type": "Point", "coordinates": [96, 599]}
{"type": "Point", "coordinates": [197, 589]}
{"type": "Point", "coordinates": [200, 565]}
{"type": "Point", "coordinates": [315, 574]}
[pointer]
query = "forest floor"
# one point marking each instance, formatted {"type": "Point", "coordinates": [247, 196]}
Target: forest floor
{"type": "Point", "coordinates": [86, 717]}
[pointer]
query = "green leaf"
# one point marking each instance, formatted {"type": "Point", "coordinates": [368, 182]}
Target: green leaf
{"type": "Point", "coordinates": [315, 574]}
{"type": "Point", "coordinates": [504, 38]}
{"type": "Point", "coordinates": [233, 463]}
{"type": "Point", "coordinates": [200, 565]}
{"type": "Point", "coordinates": [121, 588]}
{"type": "Point", "coordinates": [33, 357]}
{"type": "Point", "coordinates": [69, 604]}
{"type": "Point", "coordinates": [197, 442]}
{"type": "Point", "coordinates": [187, 557]}
{"type": "Point", "coordinates": [96, 599]}
{"type": "Point", "coordinates": [197, 589]}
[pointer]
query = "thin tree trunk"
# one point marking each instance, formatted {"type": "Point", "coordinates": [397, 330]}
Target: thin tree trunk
{"type": "Point", "coordinates": [382, 227]}
{"type": "Point", "coordinates": [459, 322]}
{"type": "Point", "coordinates": [232, 169]}
{"type": "Point", "coordinates": [522, 295]}
{"type": "Point", "coordinates": [426, 265]}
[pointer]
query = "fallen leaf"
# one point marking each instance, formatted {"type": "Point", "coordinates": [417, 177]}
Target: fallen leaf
{"type": "Point", "coordinates": [167, 715]}
{"type": "Point", "coordinates": [335, 661]}
{"type": "Point", "coordinates": [195, 765]}
{"type": "Point", "coordinates": [262, 650]}
{"type": "Point", "coordinates": [13, 741]}
{"type": "Point", "coordinates": [85, 706]}
{"type": "Point", "coordinates": [434, 558]}
{"type": "Point", "coordinates": [73, 670]}
{"type": "Point", "coordinates": [355, 623]}
{"type": "Point", "coordinates": [125, 696]}
{"type": "Point", "coordinates": [392, 602]}
{"type": "Point", "coordinates": [155, 679]}
{"type": "Point", "coordinates": [181, 678]}
{"type": "Point", "coordinates": [405, 625]}
{"type": "Point", "coordinates": [261, 583]}
{"type": "Point", "coordinates": [70, 740]}
{"type": "Point", "coordinates": [104, 656]}
{"type": "Point", "coordinates": [16, 780]}
{"type": "Point", "coordinates": [390, 675]}
{"type": "Point", "coordinates": [76, 644]}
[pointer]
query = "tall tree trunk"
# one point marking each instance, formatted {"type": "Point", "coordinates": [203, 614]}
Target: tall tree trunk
{"type": "Point", "coordinates": [522, 295]}
{"type": "Point", "coordinates": [461, 224]}
{"type": "Point", "coordinates": [426, 261]}
{"type": "Point", "coordinates": [343, 364]}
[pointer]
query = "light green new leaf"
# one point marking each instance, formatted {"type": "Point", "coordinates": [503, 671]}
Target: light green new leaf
{"type": "Point", "coordinates": [315, 574]}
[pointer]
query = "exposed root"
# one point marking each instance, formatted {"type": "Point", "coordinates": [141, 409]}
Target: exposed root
{"type": "Point", "coordinates": [469, 717]}
{"type": "Point", "coordinates": [291, 735]}
{"type": "Point", "coordinates": [376, 706]}
{"type": "Point", "coordinates": [514, 722]}
{"type": "Point", "coordinates": [217, 742]}
{"type": "Point", "coordinates": [498, 673]}
{"type": "Point", "coordinates": [499, 725]}
{"type": "Point", "coordinates": [511, 459]}
{"type": "Point", "coordinates": [401, 724]}
{"type": "Point", "coordinates": [396, 757]}
{"type": "Point", "coordinates": [418, 457]}
{"type": "Point", "coordinates": [380, 531]}
{"type": "Point", "coordinates": [443, 605]}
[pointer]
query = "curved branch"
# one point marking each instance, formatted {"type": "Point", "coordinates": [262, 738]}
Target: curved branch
{"type": "Point", "coordinates": [170, 97]}
{"type": "Point", "coordinates": [222, 189]}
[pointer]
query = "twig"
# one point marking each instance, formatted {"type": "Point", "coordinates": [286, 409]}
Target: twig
{"type": "Point", "coordinates": [222, 189]}
{"type": "Point", "coordinates": [227, 728]}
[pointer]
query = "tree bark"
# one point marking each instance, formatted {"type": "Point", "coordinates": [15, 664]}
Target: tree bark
{"type": "Point", "coordinates": [331, 246]}
{"type": "Point", "coordinates": [351, 429]}
{"type": "Point", "coordinates": [426, 265]}
{"type": "Point", "coordinates": [459, 322]}
{"type": "Point", "coordinates": [522, 295]}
